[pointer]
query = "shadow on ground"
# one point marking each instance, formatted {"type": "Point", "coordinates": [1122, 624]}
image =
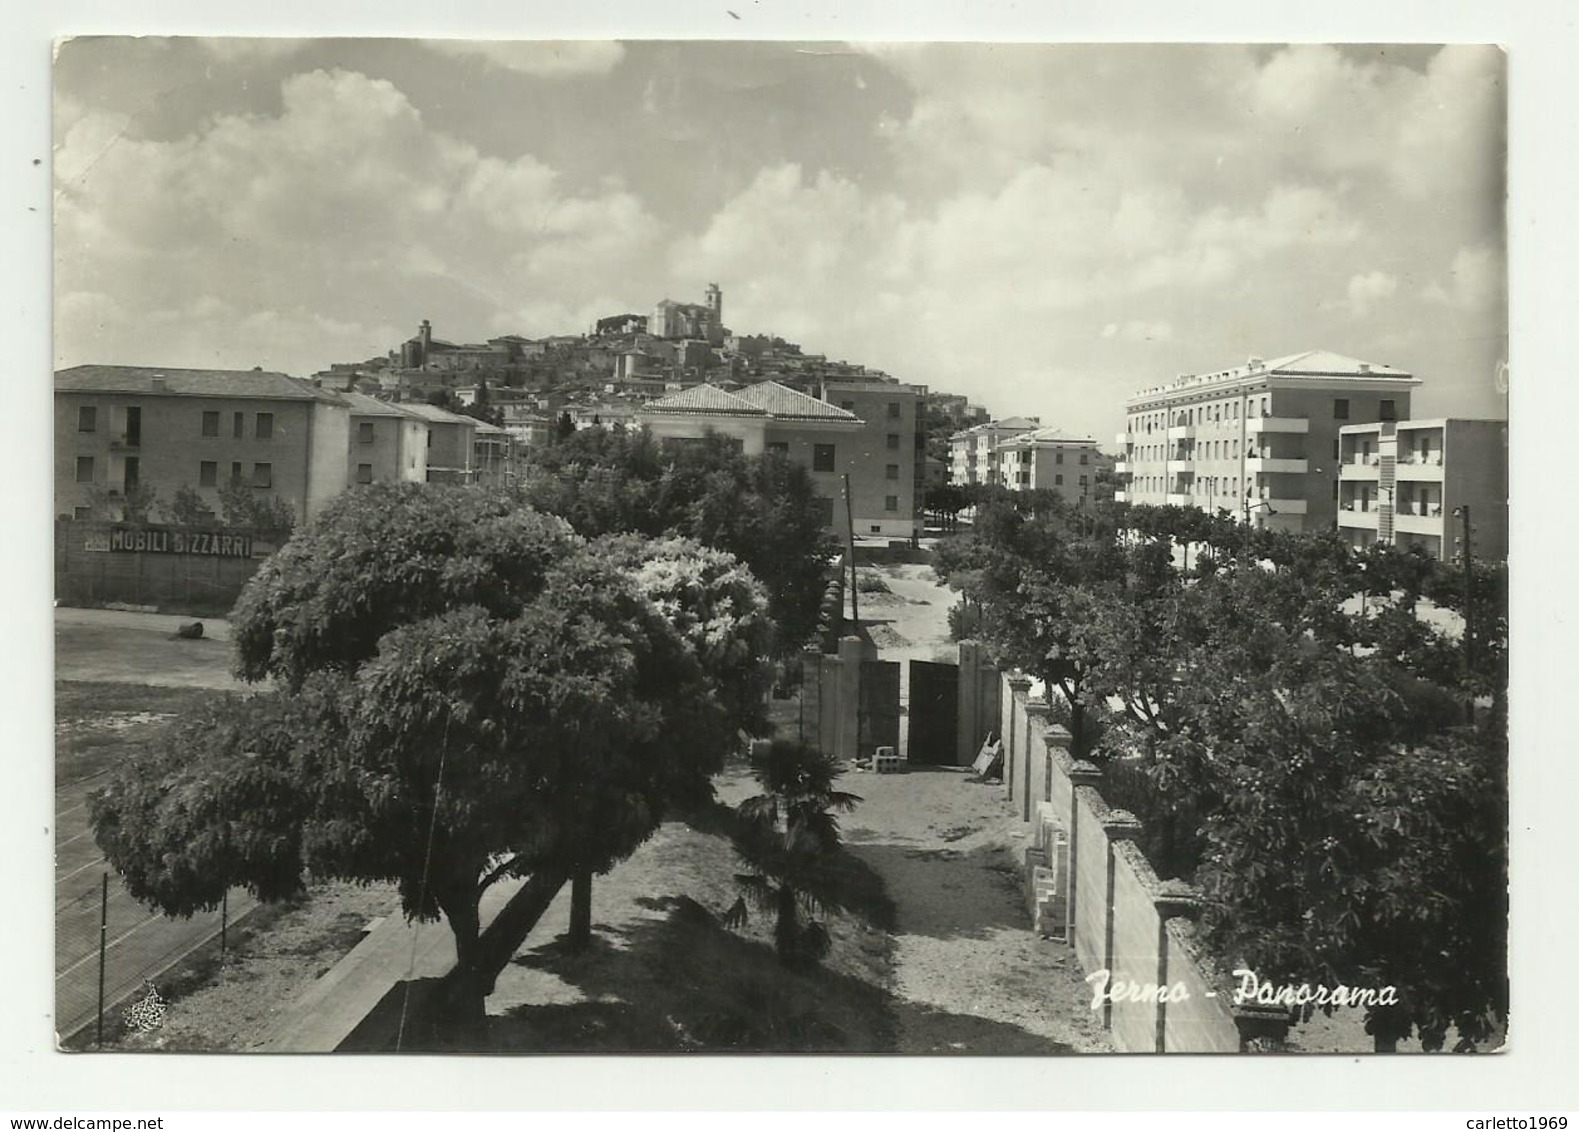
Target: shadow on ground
{"type": "Point", "coordinates": [686, 984]}
{"type": "Point", "coordinates": [946, 893]}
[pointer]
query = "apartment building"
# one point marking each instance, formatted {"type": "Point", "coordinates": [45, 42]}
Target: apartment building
{"type": "Point", "coordinates": [885, 478]}
{"type": "Point", "coordinates": [825, 439]}
{"type": "Point", "coordinates": [451, 443]}
{"type": "Point", "coordinates": [119, 428]}
{"type": "Point", "coordinates": [1260, 441]}
{"type": "Point", "coordinates": [1404, 483]}
{"type": "Point", "coordinates": [387, 444]}
{"type": "Point", "coordinates": [973, 452]}
{"type": "Point", "coordinates": [1050, 459]}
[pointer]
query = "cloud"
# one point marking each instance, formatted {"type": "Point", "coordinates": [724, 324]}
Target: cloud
{"type": "Point", "coordinates": [1367, 291]}
{"type": "Point", "coordinates": [1476, 282]}
{"type": "Point", "coordinates": [344, 204]}
{"type": "Point", "coordinates": [541, 59]}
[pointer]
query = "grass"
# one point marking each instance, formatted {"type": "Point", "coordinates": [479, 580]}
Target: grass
{"type": "Point", "coordinates": [98, 726]}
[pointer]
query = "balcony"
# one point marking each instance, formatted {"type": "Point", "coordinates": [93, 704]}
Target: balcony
{"type": "Point", "coordinates": [124, 443]}
{"type": "Point", "coordinates": [1180, 499]}
{"type": "Point", "coordinates": [1360, 466]}
{"type": "Point", "coordinates": [1254, 425]}
{"type": "Point", "coordinates": [1351, 516]}
{"type": "Point", "coordinates": [1121, 497]}
{"type": "Point", "coordinates": [1287, 506]}
{"type": "Point", "coordinates": [1122, 468]}
{"type": "Point", "coordinates": [1417, 524]}
{"type": "Point", "coordinates": [1428, 470]}
{"type": "Point", "coordinates": [1275, 465]}
{"type": "Point", "coordinates": [1181, 432]}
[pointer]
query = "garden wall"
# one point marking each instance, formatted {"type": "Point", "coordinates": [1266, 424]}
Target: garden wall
{"type": "Point", "coordinates": [194, 571]}
{"type": "Point", "coordinates": [1088, 882]}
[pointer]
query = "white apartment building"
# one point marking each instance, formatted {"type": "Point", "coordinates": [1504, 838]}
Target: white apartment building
{"type": "Point", "coordinates": [1403, 482]}
{"type": "Point", "coordinates": [1049, 459]}
{"type": "Point", "coordinates": [1259, 440]}
{"type": "Point", "coordinates": [973, 452]}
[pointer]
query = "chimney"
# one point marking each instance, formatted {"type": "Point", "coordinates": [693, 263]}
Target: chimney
{"type": "Point", "coordinates": [159, 383]}
{"type": "Point", "coordinates": [1365, 367]}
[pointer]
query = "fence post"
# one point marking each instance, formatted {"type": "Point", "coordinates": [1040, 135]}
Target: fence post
{"type": "Point", "coordinates": [1035, 709]}
{"type": "Point", "coordinates": [104, 925]}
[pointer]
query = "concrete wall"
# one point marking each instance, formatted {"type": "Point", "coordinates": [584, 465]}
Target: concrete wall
{"type": "Point", "coordinates": [1110, 904]}
{"type": "Point", "coordinates": [397, 452]}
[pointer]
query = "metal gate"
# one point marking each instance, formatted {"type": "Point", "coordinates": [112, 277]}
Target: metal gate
{"type": "Point", "coordinates": [934, 713]}
{"type": "Point", "coordinates": [879, 722]}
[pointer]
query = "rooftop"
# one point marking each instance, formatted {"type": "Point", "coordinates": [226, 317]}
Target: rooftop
{"type": "Point", "coordinates": [1310, 363]}
{"type": "Point", "coordinates": [1044, 436]}
{"type": "Point", "coordinates": [435, 414]}
{"type": "Point", "coordinates": [166, 380]}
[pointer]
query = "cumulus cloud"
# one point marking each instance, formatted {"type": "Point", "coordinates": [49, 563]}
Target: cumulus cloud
{"type": "Point", "coordinates": [344, 203]}
{"type": "Point", "coordinates": [1477, 281]}
{"type": "Point", "coordinates": [541, 58]}
{"type": "Point", "coordinates": [1365, 292]}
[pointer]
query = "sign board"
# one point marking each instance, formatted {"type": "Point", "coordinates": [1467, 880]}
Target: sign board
{"type": "Point", "coordinates": [156, 540]}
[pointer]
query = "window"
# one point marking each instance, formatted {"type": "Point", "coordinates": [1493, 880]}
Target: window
{"type": "Point", "coordinates": [822, 457]}
{"type": "Point", "coordinates": [1058, 481]}
{"type": "Point", "coordinates": [235, 472]}
{"type": "Point", "coordinates": [1340, 409]}
{"type": "Point", "coordinates": [265, 426]}
{"type": "Point", "coordinates": [893, 471]}
{"type": "Point", "coordinates": [890, 503]}
{"type": "Point", "coordinates": [893, 410]}
{"type": "Point", "coordinates": [134, 426]}
{"type": "Point", "coordinates": [364, 432]}
{"type": "Point", "coordinates": [238, 429]}
{"type": "Point", "coordinates": [364, 473]}
{"type": "Point", "coordinates": [1083, 481]}
{"type": "Point", "coordinates": [893, 441]}
{"type": "Point", "coordinates": [779, 446]}
{"type": "Point", "coordinates": [84, 469]}
{"type": "Point", "coordinates": [208, 471]}
{"type": "Point", "coordinates": [877, 528]}
{"type": "Point", "coordinates": [211, 423]}
{"type": "Point", "coordinates": [262, 474]}
{"type": "Point", "coordinates": [1058, 457]}
{"type": "Point", "coordinates": [87, 418]}
{"type": "Point", "coordinates": [133, 472]}
{"type": "Point", "coordinates": [1085, 457]}
{"type": "Point", "coordinates": [1387, 411]}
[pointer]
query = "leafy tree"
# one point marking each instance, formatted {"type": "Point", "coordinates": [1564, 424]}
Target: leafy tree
{"type": "Point", "coordinates": [762, 509]}
{"type": "Point", "coordinates": [788, 840]}
{"type": "Point", "coordinates": [566, 426]}
{"type": "Point", "coordinates": [467, 691]}
{"type": "Point", "coordinates": [246, 507]}
{"type": "Point", "coordinates": [188, 509]}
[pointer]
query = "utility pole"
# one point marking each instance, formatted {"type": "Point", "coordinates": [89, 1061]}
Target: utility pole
{"type": "Point", "coordinates": [849, 530]}
{"type": "Point", "coordinates": [1469, 618]}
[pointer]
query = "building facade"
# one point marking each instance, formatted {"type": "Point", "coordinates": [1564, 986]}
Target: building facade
{"type": "Point", "coordinates": [824, 439]}
{"type": "Point", "coordinates": [1259, 441]}
{"type": "Point", "coordinates": [973, 452]}
{"type": "Point", "coordinates": [1049, 459]}
{"type": "Point", "coordinates": [451, 443]}
{"type": "Point", "coordinates": [387, 443]}
{"type": "Point", "coordinates": [121, 429]}
{"type": "Point", "coordinates": [1404, 482]}
{"type": "Point", "coordinates": [885, 478]}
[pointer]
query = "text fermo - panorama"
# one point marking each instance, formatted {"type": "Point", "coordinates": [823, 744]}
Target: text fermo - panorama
{"type": "Point", "coordinates": [1251, 990]}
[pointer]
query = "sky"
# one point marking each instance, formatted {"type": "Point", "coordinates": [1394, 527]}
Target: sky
{"type": "Point", "coordinates": [1047, 229]}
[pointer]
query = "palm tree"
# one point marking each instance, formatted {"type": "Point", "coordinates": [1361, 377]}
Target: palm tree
{"type": "Point", "coordinates": [788, 841]}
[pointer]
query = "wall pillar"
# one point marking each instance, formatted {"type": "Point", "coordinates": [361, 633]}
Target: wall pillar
{"type": "Point", "coordinates": [852, 650]}
{"type": "Point", "coordinates": [1119, 825]}
{"type": "Point", "coordinates": [1035, 724]}
{"type": "Point", "coordinates": [1018, 686]}
{"type": "Point", "coordinates": [1174, 898]}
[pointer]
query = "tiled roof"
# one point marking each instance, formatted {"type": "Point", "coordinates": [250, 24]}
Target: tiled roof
{"type": "Point", "coordinates": [252, 383]}
{"type": "Point", "coordinates": [785, 403]}
{"type": "Point", "coordinates": [435, 414]}
{"type": "Point", "coordinates": [1043, 436]}
{"type": "Point", "coordinates": [364, 406]}
{"type": "Point", "coordinates": [706, 399]}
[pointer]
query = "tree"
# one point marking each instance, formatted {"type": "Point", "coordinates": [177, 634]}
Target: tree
{"type": "Point", "coordinates": [246, 507]}
{"type": "Point", "coordinates": [467, 691]}
{"type": "Point", "coordinates": [566, 426]}
{"type": "Point", "coordinates": [788, 840]}
{"type": "Point", "coordinates": [762, 509]}
{"type": "Point", "coordinates": [187, 508]}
